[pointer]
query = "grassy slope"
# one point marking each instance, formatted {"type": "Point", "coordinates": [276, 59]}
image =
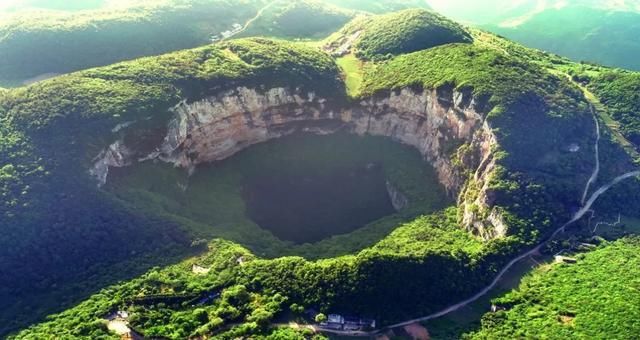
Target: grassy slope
{"type": "Point", "coordinates": [353, 71]}
{"type": "Point", "coordinates": [595, 298]}
{"type": "Point", "coordinates": [39, 42]}
{"type": "Point", "coordinates": [131, 90]}
{"type": "Point", "coordinates": [617, 154]}
{"type": "Point", "coordinates": [619, 92]}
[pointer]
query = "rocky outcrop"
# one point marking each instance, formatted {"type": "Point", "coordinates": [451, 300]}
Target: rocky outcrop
{"type": "Point", "coordinates": [117, 155]}
{"type": "Point", "coordinates": [436, 122]}
{"type": "Point", "coordinates": [398, 200]}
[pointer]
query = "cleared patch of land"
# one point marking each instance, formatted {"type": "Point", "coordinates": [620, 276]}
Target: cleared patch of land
{"type": "Point", "coordinates": [353, 71]}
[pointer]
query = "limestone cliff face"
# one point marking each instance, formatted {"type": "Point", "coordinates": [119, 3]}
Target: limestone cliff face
{"type": "Point", "coordinates": [436, 123]}
{"type": "Point", "coordinates": [116, 155]}
{"type": "Point", "coordinates": [398, 200]}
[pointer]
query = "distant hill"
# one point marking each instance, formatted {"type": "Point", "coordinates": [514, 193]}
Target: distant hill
{"type": "Point", "coordinates": [602, 32]}
{"type": "Point", "coordinates": [583, 34]}
{"type": "Point", "coordinates": [300, 19]}
{"type": "Point", "coordinates": [40, 39]}
{"type": "Point", "coordinates": [379, 6]}
{"type": "Point", "coordinates": [66, 5]}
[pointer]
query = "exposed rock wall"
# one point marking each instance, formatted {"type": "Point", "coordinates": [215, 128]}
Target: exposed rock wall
{"type": "Point", "coordinates": [398, 199]}
{"type": "Point", "coordinates": [434, 122]}
{"type": "Point", "coordinates": [117, 155]}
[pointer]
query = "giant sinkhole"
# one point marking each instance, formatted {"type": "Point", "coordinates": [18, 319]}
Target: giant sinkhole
{"type": "Point", "coordinates": [291, 192]}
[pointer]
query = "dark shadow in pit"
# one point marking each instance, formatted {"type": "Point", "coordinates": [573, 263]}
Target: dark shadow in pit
{"type": "Point", "coordinates": [306, 208]}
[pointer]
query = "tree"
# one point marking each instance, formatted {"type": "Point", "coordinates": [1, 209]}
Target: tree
{"type": "Point", "coordinates": [321, 318]}
{"type": "Point", "coordinates": [296, 308]}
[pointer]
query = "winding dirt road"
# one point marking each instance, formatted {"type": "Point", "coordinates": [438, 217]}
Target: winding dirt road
{"type": "Point", "coordinates": [596, 171]}
{"type": "Point", "coordinates": [250, 21]}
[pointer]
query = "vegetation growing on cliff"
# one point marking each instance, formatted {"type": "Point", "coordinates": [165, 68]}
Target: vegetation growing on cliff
{"type": "Point", "coordinates": [595, 298]}
{"type": "Point", "coordinates": [133, 90]}
{"type": "Point", "coordinates": [526, 160]}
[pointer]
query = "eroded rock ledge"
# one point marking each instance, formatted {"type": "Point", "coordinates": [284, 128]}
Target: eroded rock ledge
{"type": "Point", "coordinates": [438, 123]}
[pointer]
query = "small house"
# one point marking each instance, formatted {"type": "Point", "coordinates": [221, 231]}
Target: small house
{"type": "Point", "coordinates": [564, 259]}
{"type": "Point", "coordinates": [348, 323]}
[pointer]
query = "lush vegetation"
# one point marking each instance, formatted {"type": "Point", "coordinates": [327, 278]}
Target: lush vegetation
{"type": "Point", "coordinates": [353, 73]}
{"type": "Point", "coordinates": [379, 37]}
{"type": "Point", "coordinates": [253, 292]}
{"type": "Point", "coordinates": [584, 30]}
{"type": "Point", "coordinates": [531, 166]}
{"type": "Point", "coordinates": [594, 298]}
{"type": "Point", "coordinates": [134, 90]}
{"type": "Point", "coordinates": [620, 92]}
{"type": "Point", "coordinates": [36, 43]}
{"type": "Point", "coordinates": [62, 238]}
{"type": "Point", "coordinates": [40, 165]}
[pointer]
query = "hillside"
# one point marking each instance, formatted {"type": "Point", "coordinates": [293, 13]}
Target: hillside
{"type": "Point", "coordinates": [141, 186]}
{"type": "Point", "coordinates": [582, 34]}
{"type": "Point", "coordinates": [40, 41]}
{"type": "Point", "coordinates": [87, 105]}
{"type": "Point", "coordinates": [381, 6]}
{"type": "Point", "coordinates": [37, 43]}
{"type": "Point", "coordinates": [557, 300]}
{"type": "Point", "coordinates": [619, 92]}
{"type": "Point", "coordinates": [299, 19]}
{"type": "Point", "coordinates": [594, 31]}
{"type": "Point", "coordinates": [379, 37]}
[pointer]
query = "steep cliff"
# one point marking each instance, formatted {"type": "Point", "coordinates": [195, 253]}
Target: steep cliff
{"type": "Point", "coordinates": [435, 122]}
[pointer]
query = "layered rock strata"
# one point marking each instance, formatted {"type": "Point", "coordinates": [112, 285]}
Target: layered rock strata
{"type": "Point", "coordinates": [436, 122]}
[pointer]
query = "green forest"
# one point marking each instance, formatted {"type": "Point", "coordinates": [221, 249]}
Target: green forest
{"type": "Point", "coordinates": [593, 298]}
{"type": "Point", "coordinates": [382, 36]}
